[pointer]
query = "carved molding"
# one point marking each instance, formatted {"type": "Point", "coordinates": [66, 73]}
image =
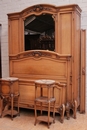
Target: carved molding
{"type": "Point", "coordinates": [40, 53]}
{"type": "Point", "coordinates": [38, 8]}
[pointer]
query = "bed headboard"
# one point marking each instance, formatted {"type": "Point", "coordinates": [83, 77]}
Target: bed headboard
{"type": "Point", "coordinates": [40, 64]}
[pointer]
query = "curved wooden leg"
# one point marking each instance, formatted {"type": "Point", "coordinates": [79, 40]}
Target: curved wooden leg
{"type": "Point", "coordinates": [68, 111]}
{"type": "Point", "coordinates": [62, 112]}
{"type": "Point", "coordinates": [74, 108]}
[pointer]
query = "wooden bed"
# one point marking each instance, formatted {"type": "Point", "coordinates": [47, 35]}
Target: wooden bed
{"type": "Point", "coordinates": [39, 64]}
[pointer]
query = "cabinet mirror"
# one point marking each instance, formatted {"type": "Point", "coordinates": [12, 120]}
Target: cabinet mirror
{"type": "Point", "coordinates": [39, 32]}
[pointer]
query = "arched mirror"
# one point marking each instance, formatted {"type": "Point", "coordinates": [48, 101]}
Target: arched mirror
{"type": "Point", "coordinates": [39, 32]}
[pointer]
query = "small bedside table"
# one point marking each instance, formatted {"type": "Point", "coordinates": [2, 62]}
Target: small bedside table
{"type": "Point", "coordinates": [48, 84]}
{"type": "Point", "coordinates": [9, 90]}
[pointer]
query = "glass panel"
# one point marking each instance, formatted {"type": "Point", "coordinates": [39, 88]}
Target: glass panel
{"type": "Point", "coordinates": [39, 32]}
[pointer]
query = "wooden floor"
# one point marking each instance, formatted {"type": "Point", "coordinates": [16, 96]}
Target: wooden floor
{"type": "Point", "coordinates": [26, 122]}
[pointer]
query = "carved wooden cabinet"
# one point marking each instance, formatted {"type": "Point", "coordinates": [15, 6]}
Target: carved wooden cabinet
{"type": "Point", "coordinates": [64, 26]}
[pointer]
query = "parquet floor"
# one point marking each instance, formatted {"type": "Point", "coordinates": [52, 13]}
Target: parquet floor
{"type": "Point", "coordinates": [26, 122]}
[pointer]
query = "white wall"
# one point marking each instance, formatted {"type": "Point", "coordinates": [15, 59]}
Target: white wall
{"type": "Point", "coordinates": [10, 6]}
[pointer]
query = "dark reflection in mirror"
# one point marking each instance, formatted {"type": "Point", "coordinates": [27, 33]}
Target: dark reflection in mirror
{"type": "Point", "coordinates": [39, 32]}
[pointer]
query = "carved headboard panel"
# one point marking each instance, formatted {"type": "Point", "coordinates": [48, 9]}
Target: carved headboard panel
{"type": "Point", "coordinates": [41, 64]}
{"type": "Point", "coordinates": [37, 64]}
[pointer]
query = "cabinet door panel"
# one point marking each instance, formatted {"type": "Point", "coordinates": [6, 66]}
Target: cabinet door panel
{"type": "Point", "coordinates": [65, 37]}
{"type": "Point", "coordinates": [14, 39]}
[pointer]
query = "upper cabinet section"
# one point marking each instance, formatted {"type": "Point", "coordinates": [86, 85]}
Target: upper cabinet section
{"type": "Point", "coordinates": [44, 27]}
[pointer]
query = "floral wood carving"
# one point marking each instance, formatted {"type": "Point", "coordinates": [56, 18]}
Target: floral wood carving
{"type": "Point", "coordinates": [39, 54]}
{"type": "Point", "coordinates": [39, 8]}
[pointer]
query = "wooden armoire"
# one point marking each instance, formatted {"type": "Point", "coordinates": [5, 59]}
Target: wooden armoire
{"type": "Point", "coordinates": [64, 26]}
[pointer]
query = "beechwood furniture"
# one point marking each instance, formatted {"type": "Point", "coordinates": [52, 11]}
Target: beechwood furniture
{"type": "Point", "coordinates": [9, 92]}
{"type": "Point", "coordinates": [57, 54]}
{"type": "Point", "coordinates": [45, 99]}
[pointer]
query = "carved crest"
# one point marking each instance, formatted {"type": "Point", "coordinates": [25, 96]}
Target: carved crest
{"type": "Point", "coordinates": [38, 8]}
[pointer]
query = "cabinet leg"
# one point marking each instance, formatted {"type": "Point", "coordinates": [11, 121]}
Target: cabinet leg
{"type": "Point", "coordinates": [68, 111]}
{"type": "Point", "coordinates": [62, 112]}
{"type": "Point", "coordinates": [74, 108]}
